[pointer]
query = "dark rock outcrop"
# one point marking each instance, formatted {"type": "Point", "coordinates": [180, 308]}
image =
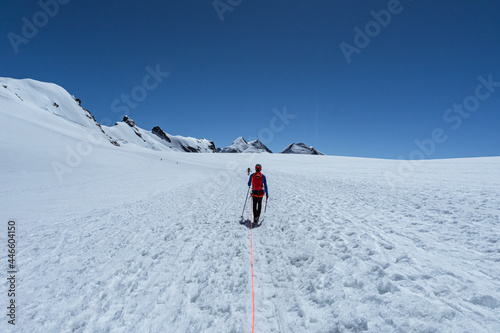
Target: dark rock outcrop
{"type": "Point", "coordinates": [160, 133]}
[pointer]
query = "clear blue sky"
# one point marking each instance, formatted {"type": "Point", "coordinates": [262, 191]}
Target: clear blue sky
{"type": "Point", "coordinates": [227, 76]}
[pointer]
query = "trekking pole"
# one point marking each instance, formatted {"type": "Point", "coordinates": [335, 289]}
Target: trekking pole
{"type": "Point", "coordinates": [265, 208]}
{"type": "Point", "coordinates": [245, 203]}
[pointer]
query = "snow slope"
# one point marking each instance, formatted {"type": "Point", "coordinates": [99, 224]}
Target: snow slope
{"type": "Point", "coordinates": [49, 106]}
{"type": "Point", "coordinates": [127, 239]}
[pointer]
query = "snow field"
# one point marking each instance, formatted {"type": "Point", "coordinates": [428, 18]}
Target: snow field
{"type": "Point", "coordinates": [375, 262]}
{"type": "Point", "coordinates": [134, 240]}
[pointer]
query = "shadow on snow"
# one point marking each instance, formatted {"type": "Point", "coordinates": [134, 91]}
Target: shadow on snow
{"type": "Point", "coordinates": [247, 223]}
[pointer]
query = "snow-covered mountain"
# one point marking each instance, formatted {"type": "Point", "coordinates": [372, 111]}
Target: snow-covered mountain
{"type": "Point", "coordinates": [52, 108]}
{"type": "Point", "coordinates": [240, 145]}
{"type": "Point", "coordinates": [127, 132]}
{"type": "Point", "coordinates": [190, 145]}
{"type": "Point", "coordinates": [49, 106]}
{"type": "Point", "coordinates": [300, 148]}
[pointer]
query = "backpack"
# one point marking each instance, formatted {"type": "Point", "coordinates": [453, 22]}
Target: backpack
{"type": "Point", "coordinates": [258, 185]}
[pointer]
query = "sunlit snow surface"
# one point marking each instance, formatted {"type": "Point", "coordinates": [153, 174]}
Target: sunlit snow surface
{"type": "Point", "coordinates": [135, 240]}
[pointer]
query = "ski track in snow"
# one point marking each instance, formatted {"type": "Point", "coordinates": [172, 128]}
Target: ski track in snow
{"type": "Point", "coordinates": [333, 255]}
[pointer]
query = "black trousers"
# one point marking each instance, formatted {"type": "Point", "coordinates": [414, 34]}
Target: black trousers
{"type": "Point", "coordinates": [257, 207]}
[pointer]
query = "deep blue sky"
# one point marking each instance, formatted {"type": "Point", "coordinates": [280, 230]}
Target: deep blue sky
{"type": "Point", "coordinates": [226, 77]}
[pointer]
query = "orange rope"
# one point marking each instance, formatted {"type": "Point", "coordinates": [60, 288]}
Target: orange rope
{"type": "Point", "coordinates": [251, 264]}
